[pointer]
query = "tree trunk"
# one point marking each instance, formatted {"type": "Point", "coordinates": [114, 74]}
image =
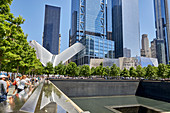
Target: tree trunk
{"type": "Point", "coordinates": [12, 76]}
{"type": "Point", "coordinates": [47, 76]}
{"type": "Point", "coordinates": [17, 69]}
{"type": "Point", "coordinates": [32, 74]}
{"type": "Point", "coordinates": [24, 69]}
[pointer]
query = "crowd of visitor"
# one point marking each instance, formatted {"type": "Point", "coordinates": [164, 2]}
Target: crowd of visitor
{"type": "Point", "coordinates": [20, 83]}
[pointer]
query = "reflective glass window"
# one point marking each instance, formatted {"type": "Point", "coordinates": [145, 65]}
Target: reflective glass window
{"type": "Point", "coordinates": [101, 55]}
{"type": "Point", "coordinates": [96, 54]}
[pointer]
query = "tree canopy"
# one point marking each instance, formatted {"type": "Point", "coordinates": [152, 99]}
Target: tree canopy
{"type": "Point", "coordinates": [16, 54]}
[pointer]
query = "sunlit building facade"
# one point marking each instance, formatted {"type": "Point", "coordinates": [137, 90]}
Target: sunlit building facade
{"type": "Point", "coordinates": [162, 30]}
{"type": "Point", "coordinates": [145, 51]}
{"type": "Point", "coordinates": [124, 62]}
{"type": "Point", "coordinates": [45, 56]}
{"type": "Point", "coordinates": [109, 19]}
{"type": "Point", "coordinates": [125, 28]}
{"type": "Point", "coordinates": [153, 48]}
{"type": "Point", "coordinates": [51, 39]}
{"type": "Point", "coordinates": [88, 26]}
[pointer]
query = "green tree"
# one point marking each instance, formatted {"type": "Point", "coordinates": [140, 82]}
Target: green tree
{"type": "Point", "coordinates": [93, 72]}
{"type": "Point", "coordinates": [15, 53]}
{"type": "Point", "coordinates": [100, 69]}
{"type": "Point", "coordinates": [168, 71]}
{"type": "Point", "coordinates": [11, 35]}
{"type": "Point", "coordinates": [85, 71]}
{"type": "Point", "coordinates": [78, 70]}
{"type": "Point", "coordinates": [140, 71]}
{"type": "Point", "coordinates": [5, 32]}
{"type": "Point", "coordinates": [38, 68]}
{"type": "Point", "coordinates": [114, 71]}
{"type": "Point", "coordinates": [71, 69]}
{"type": "Point", "coordinates": [150, 72]}
{"type": "Point", "coordinates": [49, 69]}
{"type": "Point", "coordinates": [125, 73]}
{"type": "Point", "coordinates": [106, 71]}
{"type": "Point", "coordinates": [162, 71]}
{"type": "Point", "coordinates": [64, 71]}
{"type": "Point", "coordinates": [59, 69]}
{"type": "Point", "coordinates": [133, 72]}
{"type": "Point", "coordinates": [97, 70]}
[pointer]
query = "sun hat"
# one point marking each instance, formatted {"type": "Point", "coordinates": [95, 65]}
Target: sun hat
{"type": "Point", "coordinates": [19, 75]}
{"type": "Point", "coordinates": [3, 76]}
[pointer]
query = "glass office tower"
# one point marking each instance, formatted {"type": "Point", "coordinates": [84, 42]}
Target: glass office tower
{"type": "Point", "coordinates": [88, 26]}
{"type": "Point", "coordinates": [109, 19]}
{"type": "Point", "coordinates": [51, 29]}
{"type": "Point", "coordinates": [162, 30]}
{"type": "Point", "coordinates": [125, 27]}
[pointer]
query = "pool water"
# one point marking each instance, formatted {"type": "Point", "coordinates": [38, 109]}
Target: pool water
{"type": "Point", "coordinates": [107, 104]}
{"type": "Point", "coordinates": [135, 109]}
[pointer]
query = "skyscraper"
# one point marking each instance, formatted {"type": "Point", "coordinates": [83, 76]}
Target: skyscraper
{"type": "Point", "coordinates": [88, 26]}
{"type": "Point", "coordinates": [145, 51]}
{"type": "Point", "coordinates": [59, 44]}
{"type": "Point", "coordinates": [162, 30]}
{"type": "Point", "coordinates": [125, 27]}
{"type": "Point", "coordinates": [153, 48]}
{"type": "Point", "coordinates": [160, 51]}
{"type": "Point", "coordinates": [52, 29]}
{"type": "Point", "coordinates": [109, 19]}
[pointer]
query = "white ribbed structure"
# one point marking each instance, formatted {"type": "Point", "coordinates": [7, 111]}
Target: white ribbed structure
{"type": "Point", "coordinates": [45, 56]}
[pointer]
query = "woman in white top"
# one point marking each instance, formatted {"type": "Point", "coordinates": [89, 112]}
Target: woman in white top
{"type": "Point", "coordinates": [22, 84]}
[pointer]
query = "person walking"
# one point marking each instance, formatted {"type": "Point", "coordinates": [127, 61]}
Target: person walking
{"type": "Point", "coordinates": [16, 83]}
{"type": "Point", "coordinates": [22, 84]}
{"type": "Point", "coordinates": [8, 84]}
{"type": "Point", "coordinates": [9, 77]}
{"type": "Point", "coordinates": [28, 81]}
{"type": "Point", "coordinates": [3, 88]}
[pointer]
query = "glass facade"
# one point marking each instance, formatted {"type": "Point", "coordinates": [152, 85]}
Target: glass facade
{"type": "Point", "coordinates": [96, 47]}
{"type": "Point", "coordinates": [95, 19]}
{"type": "Point", "coordinates": [74, 21]}
{"type": "Point", "coordinates": [51, 29]}
{"type": "Point", "coordinates": [160, 50]}
{"type": "Point", "coordinates": [125, 27]}
{"type": "Point", "coordinates": [162, 30]}
{"type": "Point", "coordinates": [109, 15]}
{"type": "Point", "coordinates": [88, 26]}
{"type": "Point", "coordinates": [109, 19]}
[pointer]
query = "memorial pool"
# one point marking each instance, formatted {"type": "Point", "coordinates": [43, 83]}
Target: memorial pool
{"type": "Point", "coordinates": [107, 104]}
{"type": "Point", "coordinates": [80, 96]}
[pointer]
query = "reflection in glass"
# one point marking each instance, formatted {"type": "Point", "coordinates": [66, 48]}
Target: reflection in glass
{"type": "Point", "coordinates": [125, 27]}
{"type": "Point", "coordinates": [90, 25]}
{"type": "Point", "coordinates": [54, 101]}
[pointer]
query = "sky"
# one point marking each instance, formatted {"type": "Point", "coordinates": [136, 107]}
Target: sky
{"type": "Point", "coordinates": [33, 12]}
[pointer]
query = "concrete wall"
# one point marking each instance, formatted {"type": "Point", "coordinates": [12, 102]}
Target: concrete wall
{"type": "Point", "coordinates": [84, 88]}
{"type": "Point", "coordinates": [154, 90]}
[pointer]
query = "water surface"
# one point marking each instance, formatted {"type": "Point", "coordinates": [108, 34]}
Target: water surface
{"type": "Point", "coordinates": [99, 104]}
